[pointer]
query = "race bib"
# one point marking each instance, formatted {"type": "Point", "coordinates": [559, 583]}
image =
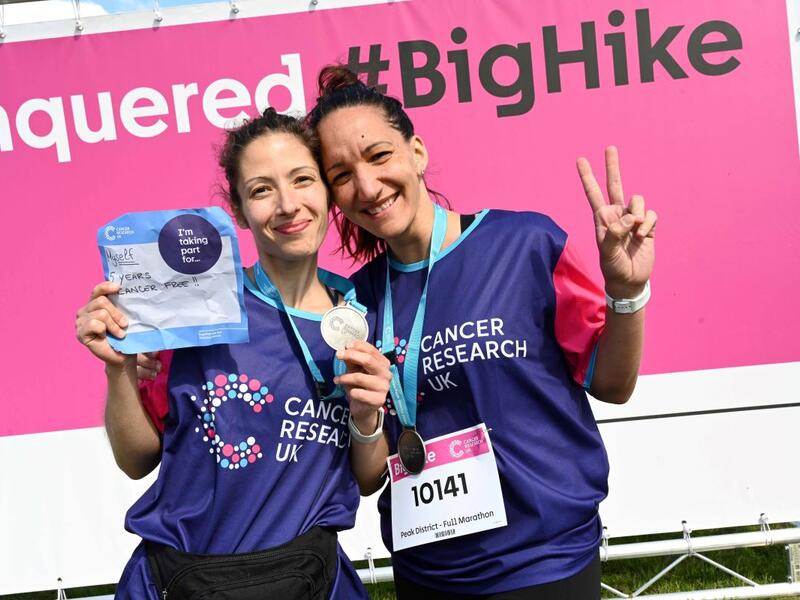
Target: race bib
{"type": "Point", "coordinates": [457, 493]}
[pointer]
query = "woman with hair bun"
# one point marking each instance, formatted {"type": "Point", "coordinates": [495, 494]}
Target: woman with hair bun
{"type": "Point", "coordinates": [252, 439]}
{"type": "Point", "coordinates": [497, 306]}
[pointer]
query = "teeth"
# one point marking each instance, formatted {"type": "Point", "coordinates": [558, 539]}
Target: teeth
{"type": "Point", "coordinates": [382, 207]}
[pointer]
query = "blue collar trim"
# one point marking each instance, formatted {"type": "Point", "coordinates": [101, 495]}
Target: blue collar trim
{"type": "Point", "coordinates": [423, 264]}
{"type": "Point", "coordinates": [293, 311]}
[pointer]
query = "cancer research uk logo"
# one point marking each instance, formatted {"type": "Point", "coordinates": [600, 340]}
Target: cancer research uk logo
{"type": "Point", "coordinates": [461, 446]}
{"type": "Point", "coordinates": [455, 449]}
{"type": "Point", "coordinates": [113, 232]}
{"type": "Point", "coordinates": [225, 387]}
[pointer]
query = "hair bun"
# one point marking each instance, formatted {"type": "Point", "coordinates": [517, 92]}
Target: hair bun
{"type": "Point", "coordinates": [336, 77]}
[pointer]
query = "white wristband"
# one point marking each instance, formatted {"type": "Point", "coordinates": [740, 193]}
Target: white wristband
{"type": "Point", "coordinates": [626, 306]}
{"type": "Point", "coordinates": [366, 439]}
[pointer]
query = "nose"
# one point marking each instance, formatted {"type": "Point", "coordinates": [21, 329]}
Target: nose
{"type": "Point", "coordinates": [367, 185]}
{"type": "Point", "coordinates": [287, 203]}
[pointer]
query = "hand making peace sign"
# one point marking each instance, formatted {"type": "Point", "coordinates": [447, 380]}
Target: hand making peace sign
{"type": "Point", "coordinates": [625, 233]}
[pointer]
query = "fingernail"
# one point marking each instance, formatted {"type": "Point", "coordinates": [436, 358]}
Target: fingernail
{"type": "Point", "coordinates": [158, 367]}
{"type": "Point", "coordinates": [123, 322]}
{"type": "Point", "coordinates": [628, 220]}
{"type": "Point", "coordinates": [336, 380]}
{"type": "Point", "coordinates": [340, 354]}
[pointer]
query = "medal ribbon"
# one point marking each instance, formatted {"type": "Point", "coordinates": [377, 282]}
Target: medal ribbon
{"type": "Point", "coordinates": [405, 396]}
{"type": "Point", "coordinates": [331, 280]}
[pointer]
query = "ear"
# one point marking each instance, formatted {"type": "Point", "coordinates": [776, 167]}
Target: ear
{"type": "Point", "coordinates": [420, 154]}
{"type": "Point", "coordinates": [239, 217]}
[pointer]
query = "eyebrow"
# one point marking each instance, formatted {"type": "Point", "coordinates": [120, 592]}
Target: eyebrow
{"type": "Point", "coordinates": [364, 151]}
{"type": "Point", "coordinates": [292, 172]}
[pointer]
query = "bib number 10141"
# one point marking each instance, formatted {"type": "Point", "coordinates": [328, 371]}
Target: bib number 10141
{"type": "Point", "coordinates": [430, 491]}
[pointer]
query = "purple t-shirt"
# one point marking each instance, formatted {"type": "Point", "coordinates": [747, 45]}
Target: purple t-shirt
{"type": "Point", "coordinates": [508, 340]}
{"type": "Point", "coordinates": [251, 458]}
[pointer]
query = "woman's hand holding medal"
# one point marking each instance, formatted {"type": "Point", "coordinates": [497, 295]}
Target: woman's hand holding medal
{"type": "Point", "coordinates": [366, 382]}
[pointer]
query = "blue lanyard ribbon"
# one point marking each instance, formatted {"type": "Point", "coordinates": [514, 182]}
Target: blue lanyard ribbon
{"type": "Point", "coordinates": [405, 397]}
{"type": "Point", "coordinates": [331, 280]}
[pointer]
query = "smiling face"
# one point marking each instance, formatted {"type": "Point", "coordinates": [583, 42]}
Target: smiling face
{"type": "Point", "coordinates": [284, 201]}
{"type": "Point", "coordinates": [374, 173]}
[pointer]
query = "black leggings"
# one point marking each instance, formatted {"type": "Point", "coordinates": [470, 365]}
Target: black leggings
{"type": "Point", "coordinates": [584, 585]}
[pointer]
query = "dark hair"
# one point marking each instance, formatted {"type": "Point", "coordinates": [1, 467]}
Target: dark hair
{"type": "Point", "coordinates": [237, 139]}
{"type": "Point", "coordinates": [339, 87]}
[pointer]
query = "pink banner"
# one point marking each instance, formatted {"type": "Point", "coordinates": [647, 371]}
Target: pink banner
{"type": "Point", "coordinates": [506, 94]}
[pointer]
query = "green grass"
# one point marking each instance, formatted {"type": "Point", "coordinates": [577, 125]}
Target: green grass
{"type": "Point", "coordinates": [763, 565]}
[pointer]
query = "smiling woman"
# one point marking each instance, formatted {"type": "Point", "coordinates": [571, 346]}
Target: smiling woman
{"type": "Point", "coordinates": [376, 185]}
{"type": "Point", "coordinates": [438, 278]}
{"type": "Point", "coordinates": [280, 197]}
{"type": "Point", "coordinates": [252, 480]}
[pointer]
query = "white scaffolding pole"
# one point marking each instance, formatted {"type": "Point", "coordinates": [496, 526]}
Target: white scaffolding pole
{"type": "Point", "coordinates": [685, 547]}
{"type": "Point", "coordinates": [702, 544]}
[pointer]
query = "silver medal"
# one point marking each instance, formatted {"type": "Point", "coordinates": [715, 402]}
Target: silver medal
{"type": "Point", "coordinates": [343, 324]}
{"type": "Point", "coordinates": [411, 450]}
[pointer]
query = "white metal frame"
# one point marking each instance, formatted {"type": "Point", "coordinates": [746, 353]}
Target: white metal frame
{"type": "Point", "coordinates": [685, 547]}
{"type": "Point", "coordinates": [159, 16]}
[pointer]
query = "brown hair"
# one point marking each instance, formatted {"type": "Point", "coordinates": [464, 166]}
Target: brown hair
{"type": "Point", "coordinates": [340, 87]}
{"type": "Point", "coordinates": [236, 140]}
